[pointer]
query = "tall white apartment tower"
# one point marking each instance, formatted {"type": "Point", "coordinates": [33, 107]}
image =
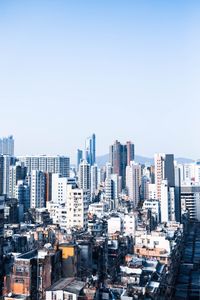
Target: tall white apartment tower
{"type": "Point", "coordinates": [133, 182]}
{"type": "Point", "coordinates": [94, 179]}
{"type": "Point", "coordinates": [167, 202]}
{"type": "Point", "coordinates": [164, 169]}
{"type": "Point", "coordinates": [37, 189]}
{"type": "Point", "coordinates": [59, 189]}
{"type": "Point", "coordinates": [84, 175]}
{"type": "Point", "coordinates": [77, 207]}
{"type": "Point", "coordinates": [159, 160]}
{"type": "Point", "coordinates": [109, 170]}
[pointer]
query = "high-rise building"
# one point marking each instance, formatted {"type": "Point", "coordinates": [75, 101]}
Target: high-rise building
{"type": "Point", "coordinates": [177, 173]}
{"type": "Point", "coordinates": [77, 207]}
{"type": "Point", "coordinates": [133, 182]}
{"type": "Point", "coordinates": [73, 210]}
{"type": "Point", "coordinates": [90, 149]}
{"type": "Point", "coordinates": [22, 194]}
{"type": "Point", "coordinates": [16, 172]}
{"type": "Point", "coordinates": [48, 179]}
{"type": "Point", "coordinates": [167, 183]}
{"type": "Point", "coordinates": [164, 169]}
{"type": "Point", "coordinates": [7, 146]}
{"type": "Point", "coordinates": [152, 191]}
{"type": "Point", "coordinates": [101, 175]}
{"type": "Point", "coordinates": [116, 189]}
{"type": "Point", "coordinates": [109, 170]}
{"type": "Point", "coordinates": [190, 200]}
{"type": "Point", "coordinates": [94, 180]}
{"type": "Point", "coordinates": [48, 164]}
{"type": "Point", "coordinates": [118, 160]}
{"type": "Point", "coordinates": [167, 202]}
{"type": "Point", "coordinates": [6, 161]}
{"type": "Point", "coordinates": [189, 172]}
{"type": "Point", "coordinates": [37, 189]}
{"type": "Point", "coordinates": [59, 189]}
{"type": "Point", "coordinates": [159, 160]}
{"type": "Point", "coordinates": [112, 190]}
{"type": "Point", "coordinates": [84, 175]}
{"type": "Point", "coordinates": [145, 187]}
{"type": "Point", "coordinates": [79, 158]}
{"type": "Point", "coordinates": [1, 174]}
{"type": "Point", "coordinates": [130, 152]}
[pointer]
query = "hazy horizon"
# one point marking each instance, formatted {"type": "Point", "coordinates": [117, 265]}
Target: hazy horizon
{"type": "Point", "coordinates": [124, 70]}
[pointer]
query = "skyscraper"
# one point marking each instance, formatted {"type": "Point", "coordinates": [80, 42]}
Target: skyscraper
{"type": "Point", "coordinates": [8, 161]}
{"type": "Point", "coordinates": [22, 194]}
{"type": "Point", "coordinates": [90, 149]}
{"type": "Point", "coordinates": [130, 152]}
{"type": "Point", "coordinates": [94, 180]}
{"type": "Point", "coordinates": [49, 164]}
{"type": "Point", "coordinates": [84, 175]}
{"type": "Point", "coordinates": [167, 202]}
{"type": "Point", "coordinates": [59, 188]}
{"type": "Point", "coordinates": [167, 187]}
{"type": "Point", "coordinates": [164, 169]}
{"type": "Point", "coordinates": [7, 146]}
{"type": "Point", "coordinates": [77, 206]}
{"type": "Point", "coordinates": [79, 158]}
{"type": "Point", "coordinates": [16, 172]}
{"type": "Point", "coordinates": [118, 160]}
{"type": "Point", "coordinates": [133, 182]}
{"type": "Point", "coordinates": [108, 169]}
{"type": "Point", "coordinates": [37, 189]}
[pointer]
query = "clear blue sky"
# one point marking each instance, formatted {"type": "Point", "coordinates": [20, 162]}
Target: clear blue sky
{"type": "Point", "coordinates": [121, 69]}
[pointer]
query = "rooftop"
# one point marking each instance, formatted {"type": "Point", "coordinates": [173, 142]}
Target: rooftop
{"type": "Point", "coordinates": [68, 284]}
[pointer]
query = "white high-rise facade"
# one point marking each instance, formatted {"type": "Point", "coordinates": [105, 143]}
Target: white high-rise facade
{"type": "Point", "coordinates": [16, 172]}
{"type": "Point", "coordinates": [77, 207]}
{"type": "Point", "coordinates": [189, 173]}
{"type": "Point", "coordinates": [152, 191]}
{"type": "Point", "coordinates": [164, 169]}
{"type": "Point", "coordinates": [190, 200]}
{"type": "Point", "coordinates": [59, 189]}
{"type": "Point", "coordinates": [73, 211]}
{"type": "Point", "coordinates": [133, 182]}
{"type": "Point", "coordinates": [94, 180]}
{"type": "Point", "coordinates": [50, 164]}
{"type": "Point", "coordinates": [109, 169]}
{"type": "Point", "coordinates": [159, 160]}
{"type": "Point", "coordinates": [167, 202]}
{"type": "Point", "coordinates": [37, 189]}
{"type": "Point", "coordinates": [167, 187]}
{"type": "Point", "coordinates": [164, 201]}
{"type": "Point", "coordinates": [84, 175]}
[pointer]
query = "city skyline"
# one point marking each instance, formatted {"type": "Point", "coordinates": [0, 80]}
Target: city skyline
{"type": "Point", "coordinates": [99, 159]}
{"type": "Point", "coordinates": [99, 156]}
{"type": "Point", "coordinates": [124, 71]}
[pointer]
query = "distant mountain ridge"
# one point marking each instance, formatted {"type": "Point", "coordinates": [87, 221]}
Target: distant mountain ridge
{"type": "Point", "coordinates": [103, 159]}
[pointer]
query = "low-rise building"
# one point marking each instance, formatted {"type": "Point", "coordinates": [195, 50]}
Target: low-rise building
{"type": "Point", "coordinates": [66, 288]}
